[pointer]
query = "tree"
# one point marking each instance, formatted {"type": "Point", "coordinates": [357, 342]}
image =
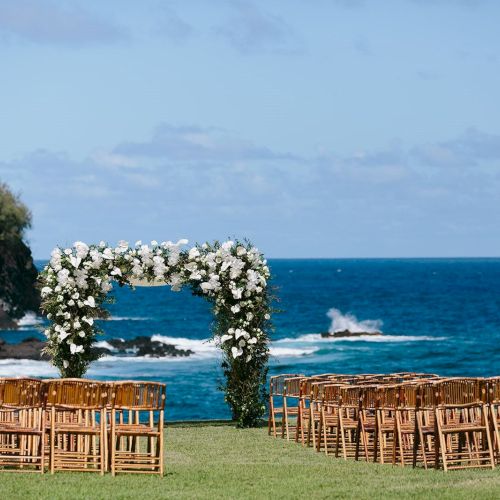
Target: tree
{"type": "Point", "coordinates": [15, 216]}
{"type": "Point", "coordinates": [18, 275]}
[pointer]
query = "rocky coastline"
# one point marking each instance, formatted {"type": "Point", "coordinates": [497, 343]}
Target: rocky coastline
{"type": "Point", "coordinates": [31, 348]}
{"type": "Point", "coordinates": [347, 333]}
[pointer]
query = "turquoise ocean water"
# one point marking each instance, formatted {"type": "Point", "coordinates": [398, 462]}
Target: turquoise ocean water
{"type": "Point", "coordinates": [437, 315]}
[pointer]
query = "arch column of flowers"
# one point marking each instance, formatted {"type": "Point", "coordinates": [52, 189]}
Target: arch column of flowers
{"type": "Point", "coordinates": [232, 276]}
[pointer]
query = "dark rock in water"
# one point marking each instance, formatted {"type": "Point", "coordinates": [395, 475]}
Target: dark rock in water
{"type": "Point", "coordinates": [347, 333]}
{"type": "Point", "coordinates": [144, 346]}
{"type": "Point", "coordinates": [18, 276]}
{"type": "Point", "coordinates": [30, 348]}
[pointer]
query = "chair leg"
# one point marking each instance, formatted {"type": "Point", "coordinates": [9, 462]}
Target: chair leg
{"type": "Point", "coordinates": [442, 443]}
{"type": "Point", "coordinates": [52, 440]}
{"type": "Point", "coordinates": [113, 443]}
{"type": "Point", "coordinates": [484, 410]}
{"type": "Point", "coordinates": [162, 437]}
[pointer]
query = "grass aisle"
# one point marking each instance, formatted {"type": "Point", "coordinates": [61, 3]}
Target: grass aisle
{"type": "Point", "coordinates": [223, 462]}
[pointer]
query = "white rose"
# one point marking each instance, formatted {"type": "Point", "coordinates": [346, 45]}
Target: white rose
{"type": "Point", "coordinates": [90, 301]}
{"type": "Point", "coordinates": [74, 349]}
{"type": "Point", "coordinates": [236, 352]}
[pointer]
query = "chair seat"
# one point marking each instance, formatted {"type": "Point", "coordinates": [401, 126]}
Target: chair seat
{"type": "Point", "coordinates": [136, 429]}
{"type": "Point", "coordinates": [462, 427]}
{"type": "Point", "coordinates": [14, 428]}
{"type": "Point", "coordinates": [76, 428]}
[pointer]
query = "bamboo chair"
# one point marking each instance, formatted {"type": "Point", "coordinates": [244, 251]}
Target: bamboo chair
{"type": "Point", "coordinates": [130, 401]}
{"type": "Point", "coordinates": [426, 437]}
{"type": "Point", "coordinates": [494, 407]}
{"type": "Point", "coordinates": [77, 424]}
{"type": "Point", "coordinates": [462, 423]}
{"type": "Point", "coordinates": [315, 386]}
{"type": "Point", "coordinates": [303, 417]}
{"type": "Point", "coordinates": [309, 408]}
{"type": "Point", "coordinates": [349, 423]}
{"type": "Point", "coordinates": [329, 434]}
{"type": "Point", "coordinates": [22, 425]}
{"type": "Point", "coordinates": [291, 400]}
{"type": "Point", "coordinates": [368, 421]}
{"type": "Point", "coordinates": [387, 436]}
{"type": "Point", "coordinates": [405, 440]}
{"type": "Point", "coordinates": [276, 389]}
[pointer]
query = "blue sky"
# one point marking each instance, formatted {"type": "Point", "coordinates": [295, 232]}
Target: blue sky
{"type": "Point", "coordinates": [333, 128]}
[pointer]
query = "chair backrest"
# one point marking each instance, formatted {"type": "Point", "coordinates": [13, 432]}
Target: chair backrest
{"type": "Point", "coordinates": [277, 383]}
{"type": "Point", "coordinates": [77, 393]}
{"type": "Point", "coordinates": [350, 396]}
{"type": "Point", "coordinates": [331, 393]}
{"type": "Point", "coordinates": [409, 394]}
{"type": "Point", "coordinates": [370, 395]}
{"type": "Point", "coordinates": [461, 392]}
{"type": "Point", "coordinates": [494, 390]}
{"type": "Point", "coordinates": [427, 395]}
{"type": "Point", "coordinates": [138, 395]}
{"type": "Point", "coordinates": [21, 393]}
{"type": "Point", "coordinates": [389, 397]}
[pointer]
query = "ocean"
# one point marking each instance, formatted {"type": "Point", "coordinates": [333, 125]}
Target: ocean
{"type": "Point", "coordinates": [437, 315]}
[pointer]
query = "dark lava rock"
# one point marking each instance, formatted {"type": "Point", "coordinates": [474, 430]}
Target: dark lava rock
{"type": "Point", "coordinates": [30, 348]}
{"type": "Point", "coordinates": [144, 346]}
{"type": "Point", "coordinates": [347, 333]}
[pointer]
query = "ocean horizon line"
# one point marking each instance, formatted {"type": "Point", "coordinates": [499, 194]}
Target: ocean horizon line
{"type": "Point", "coordinates": [477, 257]}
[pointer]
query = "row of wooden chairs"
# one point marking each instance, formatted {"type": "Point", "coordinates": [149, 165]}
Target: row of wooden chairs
{"type": "Point", "coordinates": [81, 425]}
{"type": "Point", "coordinates": [400, 418]}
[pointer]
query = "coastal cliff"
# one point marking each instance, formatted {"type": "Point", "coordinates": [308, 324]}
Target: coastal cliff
{"type": "Point", "coordinates": [18, 292]}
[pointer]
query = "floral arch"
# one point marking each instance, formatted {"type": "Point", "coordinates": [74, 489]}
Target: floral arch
{"type": "Point", "coordinates": [232, 276]}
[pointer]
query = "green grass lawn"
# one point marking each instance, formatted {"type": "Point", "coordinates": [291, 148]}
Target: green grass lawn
{"type": "Point", "coordinates": [224, 462]}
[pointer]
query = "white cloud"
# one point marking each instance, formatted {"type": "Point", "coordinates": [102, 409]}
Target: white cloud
{"type": "Point", "coordinates": [51, 22]}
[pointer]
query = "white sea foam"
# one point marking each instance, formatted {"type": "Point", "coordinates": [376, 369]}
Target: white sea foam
{"type": "Point", "coordinates": [342, 322]}
{"type": "Point", "coordinates": [317, 338]}
{"type": "Point", "coordinates": [29, 319]}
{"type": "Point", "coordinates": [126, 318]}
{"type": "Point", "coordinates": [202, 348]}
{"type": "Point", "coordinates": [290, 352]}
{"type": "Point", "coordinates": [26, 368]}
{"type": "Point", "coordinates": [206, 349]}
{"type": "Point", "coordinates": [102, 344]}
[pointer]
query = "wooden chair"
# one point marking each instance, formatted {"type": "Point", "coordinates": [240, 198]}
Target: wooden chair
{"type": "Point", "coordinates": [462, 423]}
{"type": "Point", "coordinates": [425, 447]}
{"type": "Point", "coordinates": [130, 402]}
{"type": "Point", "coordinates": [494, 407]}
{"type": "Point", "coordinates": [349, 422]}
{"type": "Point", "coordinates": [291, 400]}
{"type": "Point", "coordinates": [310, 409]}
{"type": "Point", "coordinates": [387, 432]}
{"type": "Point", "coordinates": [78, 435]}
{"type": "Point", "coordinates": [329, 423]}
{"type": "Point", "coordinates": [405, 440]}
{"type": "Point", "coordinates": [276, 413]}
{"type": "Point", "coordinates": [22, 425]}
{"type": "Point", "coordinates": [368, 421]}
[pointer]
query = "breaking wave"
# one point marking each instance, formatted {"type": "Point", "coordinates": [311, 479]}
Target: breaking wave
{"type": "Point", "coordinates": [317, 338]}
{"type": "Point", "coordinates": [30, 319]}
{"type": "Point", "coordinates": [341, 322]}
